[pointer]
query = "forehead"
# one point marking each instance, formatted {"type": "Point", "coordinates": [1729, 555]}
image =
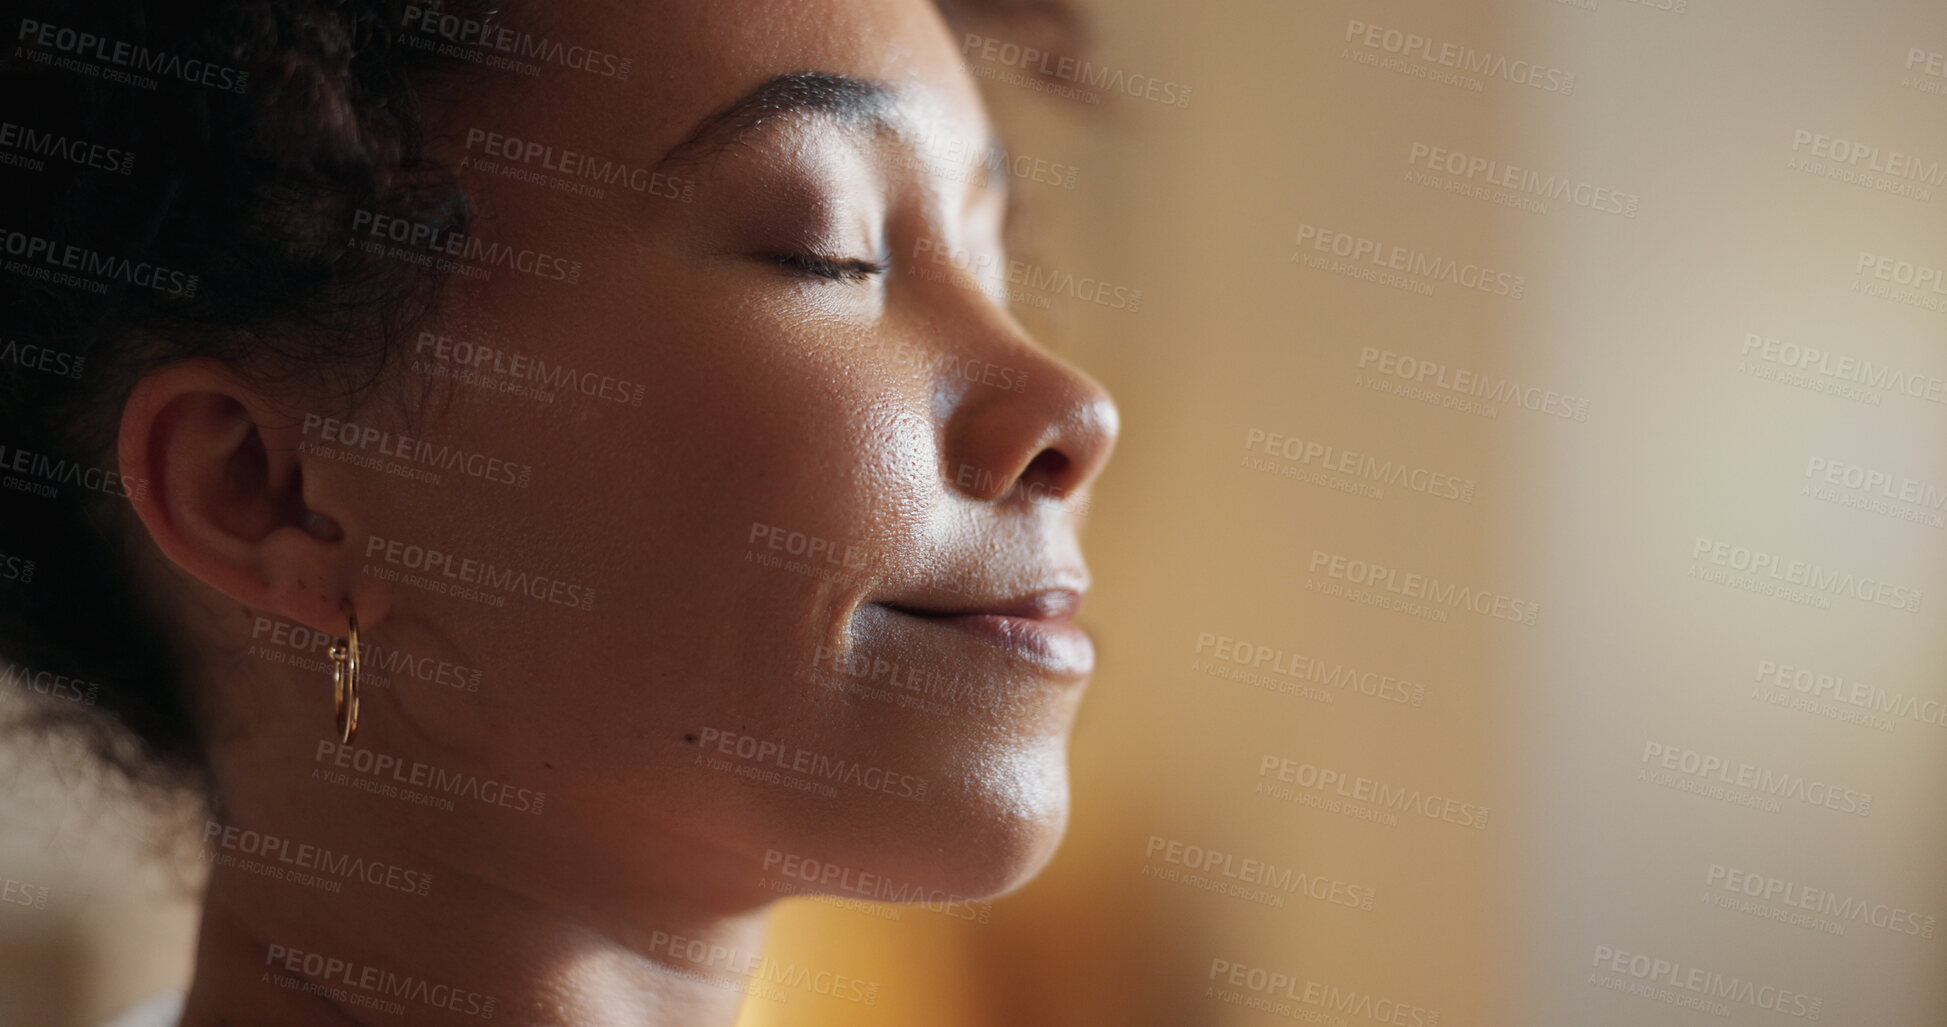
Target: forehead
{"type": "Point", "coordinates": [690, 59]}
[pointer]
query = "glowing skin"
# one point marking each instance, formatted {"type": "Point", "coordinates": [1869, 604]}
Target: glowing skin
{"type": "Point", "coordinates": [791, 412]}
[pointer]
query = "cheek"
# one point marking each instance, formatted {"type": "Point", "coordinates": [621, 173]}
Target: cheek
{"type": "Point", "coordinates": [780, 423]}
{"type": "Point", "coordinates": [776, 466]}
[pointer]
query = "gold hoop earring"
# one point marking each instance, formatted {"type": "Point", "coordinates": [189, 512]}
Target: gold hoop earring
{"type": "Point", "coordinates": [344, 683]}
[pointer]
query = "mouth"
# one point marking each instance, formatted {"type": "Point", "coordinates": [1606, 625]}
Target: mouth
{"type": "Point", "coordinates": [1036, 628]}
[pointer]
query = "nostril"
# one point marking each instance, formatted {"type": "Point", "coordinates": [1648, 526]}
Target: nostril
{"type": "Point", "coordinates": [1048, 468]}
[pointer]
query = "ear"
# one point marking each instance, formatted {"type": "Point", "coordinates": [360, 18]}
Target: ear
{"type": "Point", "coordinates": [229, 501]}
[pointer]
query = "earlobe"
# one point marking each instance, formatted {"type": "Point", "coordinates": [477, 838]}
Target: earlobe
{"type": "Point", "coordinates": [323, 527]}
{"type": "Point", "coordinates": [227, 498]}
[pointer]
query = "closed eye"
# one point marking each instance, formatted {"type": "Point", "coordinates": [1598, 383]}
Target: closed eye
{"type": "Point", "coordinates": [836, 269]}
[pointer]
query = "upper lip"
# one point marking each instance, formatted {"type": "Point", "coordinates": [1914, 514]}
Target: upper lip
{"type": "Point", "coordinates": [1043, 604]}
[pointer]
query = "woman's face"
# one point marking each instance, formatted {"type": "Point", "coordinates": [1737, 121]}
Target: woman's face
{"type": "Point", "coordinates": [789, 574]}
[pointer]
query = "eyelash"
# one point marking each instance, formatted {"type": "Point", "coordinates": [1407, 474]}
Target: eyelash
{"type": "Point", "coordinates": [835, 269]}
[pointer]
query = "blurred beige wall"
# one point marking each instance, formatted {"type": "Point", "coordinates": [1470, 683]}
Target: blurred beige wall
{"type": "Point", "coordinates": [1309, 790]}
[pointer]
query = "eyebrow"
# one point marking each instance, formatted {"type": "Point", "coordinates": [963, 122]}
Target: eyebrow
{"type": "Point", "coordinates": [852, 102]}
{"type": "Point", "coordinates": [855, 103]}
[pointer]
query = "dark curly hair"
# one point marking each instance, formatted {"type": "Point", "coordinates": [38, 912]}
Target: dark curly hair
{"type": "Point", "coordinates": [180, 178]}
{"type": "Point", "coordinates": [179, 181]}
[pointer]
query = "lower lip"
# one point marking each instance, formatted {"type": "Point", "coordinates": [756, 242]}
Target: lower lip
{"type": "Point", "coordinates": [1058, 647]}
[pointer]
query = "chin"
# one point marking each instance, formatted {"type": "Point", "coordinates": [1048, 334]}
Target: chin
{"type": "Point", "coordinates": [996, 833]}
{"type": "Point", "coordinates": [1008, 867]}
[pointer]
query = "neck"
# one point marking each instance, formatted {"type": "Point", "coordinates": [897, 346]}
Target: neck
{"type": "Point", "coordinates": [468, 952]}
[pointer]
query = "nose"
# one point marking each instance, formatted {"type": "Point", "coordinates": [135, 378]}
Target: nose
{"type": "Point", "coordinates": [1024, 424]}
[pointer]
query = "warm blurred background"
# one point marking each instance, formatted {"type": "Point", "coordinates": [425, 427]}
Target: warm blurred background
{"type": "Point", "coordinates": [1646, 308]}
